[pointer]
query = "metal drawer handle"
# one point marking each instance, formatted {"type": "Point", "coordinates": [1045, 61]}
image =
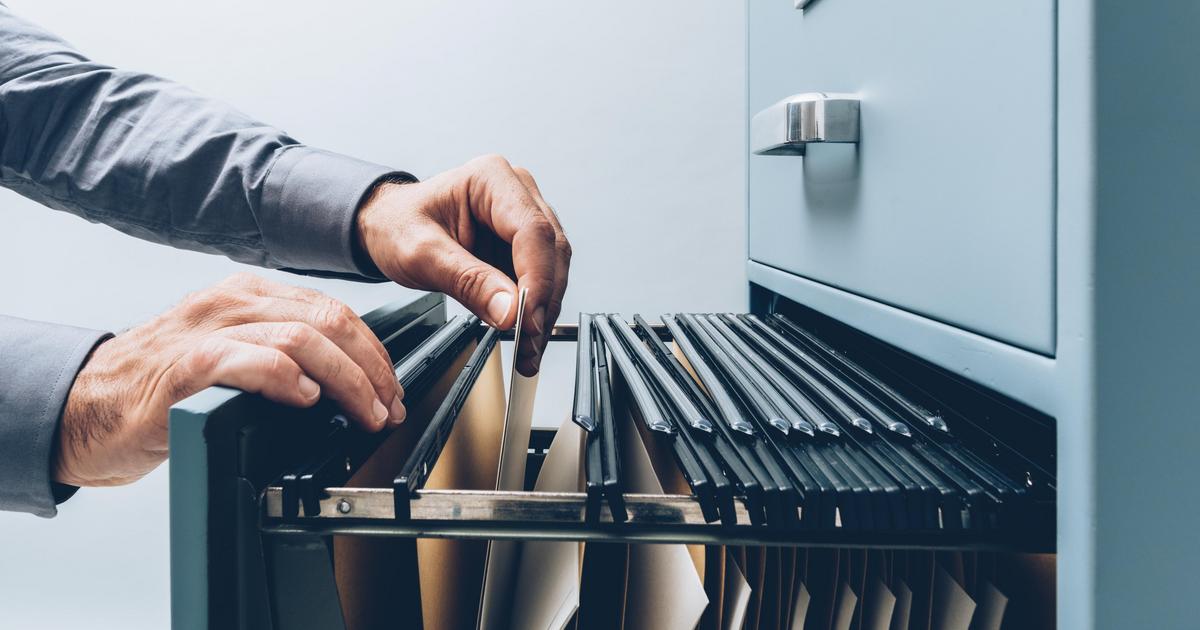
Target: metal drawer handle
{"type": "Point", "coordinates": [787, 127]}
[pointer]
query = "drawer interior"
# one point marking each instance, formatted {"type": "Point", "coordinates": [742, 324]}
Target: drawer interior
{"type": "Point", "coordinates": [315, 532]}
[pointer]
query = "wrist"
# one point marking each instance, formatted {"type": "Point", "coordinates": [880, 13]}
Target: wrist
{"type": "Point", "coordinates": [90, 428]}
{"type": "Point", "coordinates": [372, 202]}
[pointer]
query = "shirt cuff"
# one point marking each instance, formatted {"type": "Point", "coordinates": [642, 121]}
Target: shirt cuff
{"type": "Point", "coordinates": [309, 201]}
{"type": "Point", "coordinates": [40, 362]}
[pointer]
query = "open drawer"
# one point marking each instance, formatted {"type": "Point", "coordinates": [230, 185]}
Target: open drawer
{"type": "Point", "coordinates": [334, 524]}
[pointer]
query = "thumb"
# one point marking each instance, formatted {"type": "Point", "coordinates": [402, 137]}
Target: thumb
{"type": "Point", "coordinates": [480, 287]}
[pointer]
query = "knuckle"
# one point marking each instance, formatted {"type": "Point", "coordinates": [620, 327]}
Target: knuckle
{"type": "Point", "coordinates": [292, 336]}
{"type": "Point", "coordinates": [470, 281]}
{"type": "Point", "coordinates": [278, 364]}
{"type": "Point", "coordinates": [387, 378]}
{"type": "Point", "coordinates": [493, 160]}
{"type": "Point", "coordinates": [542, 230]}
{"type": "Point", "coordinates": [522, 172]}
{"type": "Point", "coordinates": [333, 371]}
{"type": "Point", "coordinates": [361, 384]}
{"type": "Point", "coordinates": [335, 319]}
{"type": "Point", "coordinates": [564, 248]}
{"type": "Point", "coordinates": [206, 356]}
{"type": "Point", "coordinates": [242, 279]}
{"type": "Point", "coordinates": [310, 295]}
{"type": "Point", "coordinates": [219, 303]}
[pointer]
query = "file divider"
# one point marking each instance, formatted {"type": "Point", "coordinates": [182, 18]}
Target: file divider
{"type": "Point", "coordinates": [775, 346]}
{"type": "Point", "coordinates": [424, 457]}
{"type": "Point", "coordinates": [694, 465]}
{"type": "Point", "coordinates": [583, 412]}
{"type": "Point", "coordinates": [746, 372]}
{"type": "Point", "coordinates": [652, 415]}
{"type": "Point", "coordinates": [343, 448]}
{"type": "Point", "coordinates": [771, 428]}
{"type": "Point", "coordinates": [864, 378]}
{"type": "Point", "coordinates": [736, 437]}
{"type": "Point", "coordinates": [614, 486]}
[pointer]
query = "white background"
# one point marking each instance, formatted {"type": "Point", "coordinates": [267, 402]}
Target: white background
{"type": "Point", "coordinates": [631, 115]}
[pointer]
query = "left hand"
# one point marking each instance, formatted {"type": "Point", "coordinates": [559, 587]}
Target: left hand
{"type": "Point", "coordinates": [469, 232]}
{"type": "Point", "coordinates": [289, 344]}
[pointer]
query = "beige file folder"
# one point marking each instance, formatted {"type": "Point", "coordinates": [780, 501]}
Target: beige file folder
{"type": "Point", "coordinates": [546, 592]}
{"type": "Point", "coordinates": [500, 564]}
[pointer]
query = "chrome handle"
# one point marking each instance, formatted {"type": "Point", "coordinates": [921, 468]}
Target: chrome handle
{"type": "Point", "coordinates": [787, 127]}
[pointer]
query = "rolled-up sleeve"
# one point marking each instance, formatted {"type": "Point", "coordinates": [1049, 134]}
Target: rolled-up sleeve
{"type": "Point", "coordinates": [156, 160]}
{"type": "Point", "coordinates": [38, 365]}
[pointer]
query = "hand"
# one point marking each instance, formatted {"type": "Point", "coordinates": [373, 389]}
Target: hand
{"type": "Point", "coordinates": [469, 232]}
{"type": "Point", "coordinates": [286, 343]}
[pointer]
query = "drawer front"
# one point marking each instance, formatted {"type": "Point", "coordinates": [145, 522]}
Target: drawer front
{"type": "Point", "coordinates": [945, 207]}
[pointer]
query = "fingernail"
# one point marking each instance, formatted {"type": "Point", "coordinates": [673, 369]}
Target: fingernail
{"type": "Point", "coordinates": [539, 319]}
{"type": "Point", "coordinates": [499, 305]}
{"type": "Point", "coordinates": [398, 411]}
{"type": "Point", "coordinates": [308, 387]}
{"type": "Point", "coordinates": [381, 412]}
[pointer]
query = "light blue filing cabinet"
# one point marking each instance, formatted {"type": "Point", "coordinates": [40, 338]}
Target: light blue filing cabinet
{"type": "Point", "coordinates": [1011, 191]}
{"type": "Point", "coordinates": [946, 205]}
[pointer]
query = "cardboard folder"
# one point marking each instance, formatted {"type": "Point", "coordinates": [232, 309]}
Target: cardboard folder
{"type": "Point", "coordinates": [546, 593]}
{"type": "Point", "coordinates": [425, 578]}
{"type": "Point", "coordinates": [373, 574]}
{"type": "Point", "coordinates": [552, 585]}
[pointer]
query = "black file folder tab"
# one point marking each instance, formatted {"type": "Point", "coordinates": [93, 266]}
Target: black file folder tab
{"type": "Point", "coordinates": [684, 406]}
{"type": "Point", "coordinates": [705, 478]}
{"type": "Point", "coordinates": [740, 376]}
{"type": "Point", "coordinates": [424, 456]}
{"type": "Point", "coordinates": [344, 448]}
{"type": "Point", "coordinates": [787, 429]}
{"type": "Point", "coordinates": [716, 389]}
{"type": "Point", "coordinates": [585, 374]}
{"type": "Point", "coordinates": [614, 488]}
{"type": "Point", "coordinates": [422, 364]}
{"type": "Point", "coordinates": [652, 413]}
{"type": "Point", "coordinates": [778, 348]}
{"type": "Point", "coordinates": [865, 379]}
{"type": "Point", "coordinates": [734, 435]}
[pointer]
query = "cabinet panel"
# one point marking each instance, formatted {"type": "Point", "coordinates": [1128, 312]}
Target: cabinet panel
{"type": "Point", "coordinates": [945, 207]}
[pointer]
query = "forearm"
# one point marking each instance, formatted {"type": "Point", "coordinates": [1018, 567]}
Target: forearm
{"type": "Point", "coordinates": [163, 163]}
{"type": "Point", "coordinates": [38, 365]}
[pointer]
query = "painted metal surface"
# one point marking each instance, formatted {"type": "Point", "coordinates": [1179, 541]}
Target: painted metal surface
{"type": "Point", "coordinates": [945, 207]}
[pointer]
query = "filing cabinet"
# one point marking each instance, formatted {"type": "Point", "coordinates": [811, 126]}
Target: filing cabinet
{"type": "Point", "coordinates": [945, 206]}
{"type": "Point", "coordinates": [1015, 204]}
{"type": "Point", "coordinates": [1004, 191]}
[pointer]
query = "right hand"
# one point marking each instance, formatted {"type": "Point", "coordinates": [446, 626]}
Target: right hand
{"type": "Point", "coordinates": [470, 232]}
{"type": "Point", "coordinates": [287, 343]}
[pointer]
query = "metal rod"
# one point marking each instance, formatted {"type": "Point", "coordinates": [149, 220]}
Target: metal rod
{"type": "Point", "coordinates": [657, 518]}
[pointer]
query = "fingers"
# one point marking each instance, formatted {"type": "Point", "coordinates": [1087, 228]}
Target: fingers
{"type": "Point", "coordinates": [500, 201]}
{"type": "Point", "coordinates": [447, 267]}
{"type": "Point", "coordinates": [562, 269]}
{"type": "Point", "coordinates": [322, 360]}
{"type": "Point", "coordinates": [245, 366]}
{"type": "Point", "coordinates": [320, 333]}
{"type": "Point", "coordinates": [337, 313]}
{"type": "Point", "coordinates": [340, 325]}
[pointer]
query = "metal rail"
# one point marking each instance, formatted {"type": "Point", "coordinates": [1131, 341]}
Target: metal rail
{"type": "Point", "coordinates": [653, 518]}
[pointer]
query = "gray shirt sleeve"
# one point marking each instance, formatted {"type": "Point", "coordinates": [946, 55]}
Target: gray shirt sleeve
{"type": "Point", "coordinates": [39, 365]}
{"type": "Point", "coordinates": [156, 160]}
{"type": "Point", "coordinates": [162, 163]}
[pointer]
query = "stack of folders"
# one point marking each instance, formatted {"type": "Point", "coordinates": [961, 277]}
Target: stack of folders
{"type": "Point", "coordinates": [764, 425]}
